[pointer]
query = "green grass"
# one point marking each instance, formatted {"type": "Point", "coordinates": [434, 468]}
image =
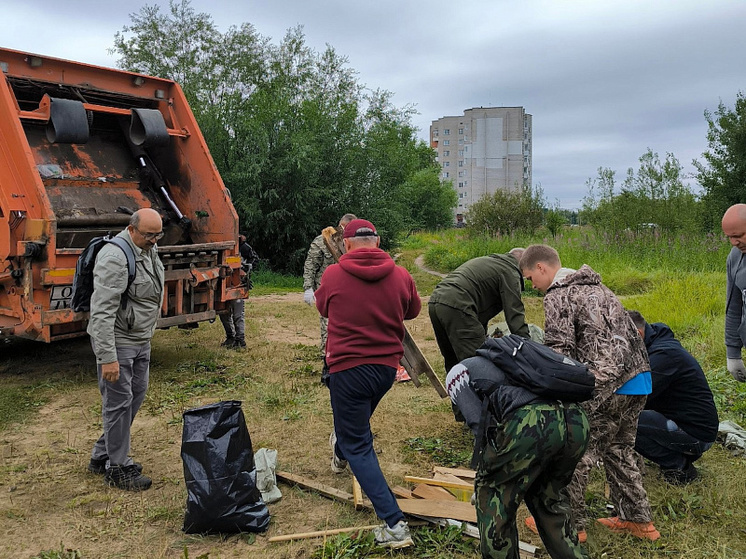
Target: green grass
{"type": "Point", "coordinates": [266, 281]}
{"type": "Point", "coordinates": [607, 254]}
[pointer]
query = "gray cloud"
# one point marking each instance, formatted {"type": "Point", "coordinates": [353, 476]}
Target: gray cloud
{"type": "Point", "coordinates": [604, 81]}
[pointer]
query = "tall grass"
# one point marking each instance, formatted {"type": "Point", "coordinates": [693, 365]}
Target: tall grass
{"type": "Point", "coordinates": [642, 252]}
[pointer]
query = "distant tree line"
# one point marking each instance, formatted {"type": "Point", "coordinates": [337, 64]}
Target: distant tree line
{"type": "Point", "coordinates": [298, 140]}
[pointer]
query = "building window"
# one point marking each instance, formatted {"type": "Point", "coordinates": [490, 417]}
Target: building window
{"type": "Point", "coordinates": [461, 142]}
{"type": "Point", "coordinates": [435, 131]}
{"type": "Point", "coordinates": [446, 175]}
{"type": "Point", "coordinates": [461, 185]}
{"type": "Point", "coordinates": [446, 153]}
{"type": "Point", "coordinates": [462, 173]}
{"type": "Point", "coordinates": [460, 153]}
{"type": "Point", "coordinates": [446, 142]}
{"type": "Point", "coordinates": [447, 164]}
{"type": "Point", "coordinates": [446, 131]}
{"type": "Point", "coordinates": [460, 163]}
{"type": "Point", "coordinates": [466, 182]}
{"type": "Point", "coordinates": [460, 130]}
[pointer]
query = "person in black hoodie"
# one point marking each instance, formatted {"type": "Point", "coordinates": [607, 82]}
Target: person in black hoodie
{"type": "Point", "coordinates": [680, 421]}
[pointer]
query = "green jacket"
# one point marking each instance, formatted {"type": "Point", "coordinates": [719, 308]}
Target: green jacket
{"type": "Point", "coordinates": [484, 286]}
{"type": "Point", "coordinates": [319, 259]}
{"type": "Point", "coordinates": [110, 325]}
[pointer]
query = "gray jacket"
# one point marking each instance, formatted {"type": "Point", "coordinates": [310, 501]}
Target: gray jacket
{"type": "Point", "coordinates": [735, 318]}
{"type": "Point", "coordinates": [111, 326]}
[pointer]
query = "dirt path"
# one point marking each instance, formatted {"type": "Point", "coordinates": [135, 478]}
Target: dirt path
{"type": "Point", "coordinates": [420, 262]}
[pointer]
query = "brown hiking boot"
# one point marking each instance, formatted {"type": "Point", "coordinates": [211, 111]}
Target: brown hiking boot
{"type": "Point", "coordinates": [531, 525]}
{"type": "Point", "coordinates": [642, 530]}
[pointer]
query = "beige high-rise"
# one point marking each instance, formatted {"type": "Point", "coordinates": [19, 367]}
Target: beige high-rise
{"type": "Point", "coordinates": [485, 149]}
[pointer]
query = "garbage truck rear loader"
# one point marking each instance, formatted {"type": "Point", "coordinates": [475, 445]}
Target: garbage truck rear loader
{"type": "Point", "coordinates": [81, 148]}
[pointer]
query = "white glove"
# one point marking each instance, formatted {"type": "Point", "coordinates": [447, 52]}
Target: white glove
{"type": "Point", "coordinates": [737, 369]}
{"type": "Point", "coordinates": [309, 299]}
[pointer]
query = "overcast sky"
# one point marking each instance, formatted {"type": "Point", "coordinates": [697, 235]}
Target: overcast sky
{"type": "Point", "coordinates": [603, 80]}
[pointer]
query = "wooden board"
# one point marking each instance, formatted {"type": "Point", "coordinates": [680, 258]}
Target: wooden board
{"type": "Point", "coordinates": [320, 533]}
{"type": "Point", "coordinates": [458, 472]}
{"type": "Point", "coordinates": [448, 477]}
{"type": "Point", "coordinates": [402, 492]}
{"type": "Point", "coordinates": [438, 483]}
{"type": "Point", "coordinates": [333, 241]}
{"type": "Point", "coordinates": [417, 364]}
{"type": "Point", "coordinates": [325, 490]}
{"type": "Point", "coordinates": [423, 491]}
{"type": "Point", "coordinates": [357, 494]}
{"type": "Point", "coordinates": [439, 509]}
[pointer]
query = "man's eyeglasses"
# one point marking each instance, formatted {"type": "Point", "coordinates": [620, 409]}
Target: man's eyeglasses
{"type": "Point", "coordinates": [151, 236]}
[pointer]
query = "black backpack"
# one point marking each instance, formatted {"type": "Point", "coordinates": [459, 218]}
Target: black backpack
{"type": "Point", "coordinates": [80, 300]}
{"type": "Point", "coordinates": [538, 368]}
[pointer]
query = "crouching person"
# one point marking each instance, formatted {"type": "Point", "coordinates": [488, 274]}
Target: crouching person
{"type": "Point", "coordinates": [526, 448]}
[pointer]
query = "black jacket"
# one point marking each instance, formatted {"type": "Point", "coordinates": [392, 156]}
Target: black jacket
{"type": "Point", "coordinates": [680, 389]}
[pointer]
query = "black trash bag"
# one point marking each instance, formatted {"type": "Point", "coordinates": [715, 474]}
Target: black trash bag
{"type": "Point", "coordinates": [219, 471]}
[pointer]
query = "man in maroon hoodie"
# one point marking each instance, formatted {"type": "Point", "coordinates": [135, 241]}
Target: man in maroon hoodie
{"type": "Point", "coordinates": [366, 298]}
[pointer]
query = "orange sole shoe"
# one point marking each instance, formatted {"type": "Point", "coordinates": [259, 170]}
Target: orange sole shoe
{"type": "Point", "coordinates": [642, 530]}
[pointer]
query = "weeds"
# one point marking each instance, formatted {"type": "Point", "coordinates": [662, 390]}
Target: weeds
{"type": "Point", "coordinates": [429, 543]}
{"type": "Point", "coordinates": [441, 453]}
{"type": "Point", "coordinates": [60, 553]}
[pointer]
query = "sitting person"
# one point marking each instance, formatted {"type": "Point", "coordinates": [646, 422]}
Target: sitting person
{"type": "Point", "coordinates": [679, 422]}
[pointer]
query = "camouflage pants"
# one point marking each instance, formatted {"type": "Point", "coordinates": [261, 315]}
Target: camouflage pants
{"type": "Point", "coordinates": [531, 457]}
{"type": "Point", "coordinates": [613, 429]}
{"type": "Point", "coordinates": [322, 346]}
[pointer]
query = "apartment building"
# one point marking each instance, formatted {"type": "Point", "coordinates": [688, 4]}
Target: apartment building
{"type": "Point", "coordinates": [485, 149]}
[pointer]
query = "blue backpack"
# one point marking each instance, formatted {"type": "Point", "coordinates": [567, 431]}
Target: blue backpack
{"type": "Point", "coordinates": [80, 300]}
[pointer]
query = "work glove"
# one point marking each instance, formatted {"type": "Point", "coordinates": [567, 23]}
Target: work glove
{"type": "Point", "coordinates": [309, 299]}
{"type": "Point", "coordinates": [737, 369]}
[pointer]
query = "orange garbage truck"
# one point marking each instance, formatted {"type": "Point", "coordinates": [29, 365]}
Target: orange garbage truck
{"type": "Point", "coordinates": [81, 148]}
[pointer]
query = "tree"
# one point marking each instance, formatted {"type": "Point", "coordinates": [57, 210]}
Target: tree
{"type": "Point", "coordinates": [506, 211]}
{"type": "Point", "coordinates": [297, 139]}
{"type": "Point", "coordinates": [654, 194]}
{"type": "Point", "coordinates": [723, 173]}
{"type": "Point", "coordinates": [554, 219]}
{"type": "Point", "coordinates": [430, 199]}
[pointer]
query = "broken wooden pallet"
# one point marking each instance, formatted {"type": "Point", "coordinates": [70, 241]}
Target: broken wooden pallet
{"type": "Point", "coordinates": [434, 511]}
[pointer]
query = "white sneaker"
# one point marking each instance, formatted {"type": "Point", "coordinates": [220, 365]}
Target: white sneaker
{"type": "Point", "coordinates": [338, 465]}
{"type": "Point", "coordinates": [395, 537]}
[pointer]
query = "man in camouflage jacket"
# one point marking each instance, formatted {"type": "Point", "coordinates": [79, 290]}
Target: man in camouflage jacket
{"type": "Point", "coordinates": [585, 320]}
{"type": "Point", "coordinates": [319, 259]}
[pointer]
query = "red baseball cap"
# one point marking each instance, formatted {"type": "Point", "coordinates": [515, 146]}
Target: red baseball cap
{"type": "Point", "coordinates": [360, 228]}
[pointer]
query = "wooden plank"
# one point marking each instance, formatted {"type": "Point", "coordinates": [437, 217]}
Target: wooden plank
{"type": "Point", "coordinates": [320, 488]}
{"type": "Point", "coordinates": [448, 477]}
{"type": "Point", "coordinates": [447, 484]}
{"type": "Point", "coordinates": [402, 492]}
{"type": "Point", "coordinates": [333, 241]}
{"type": "Point", "coordinates": [424, 491]}
{"type": "Point", "coordinates": [320, 533]}
{"type": "Point", "coordinates": [458, 472]}
{"type": "Point", "coordinates": [439, 509]}
{"type": "Point", "coordinates": [357, 494]}
{"type": "Point", "coordinates": [416, 364]}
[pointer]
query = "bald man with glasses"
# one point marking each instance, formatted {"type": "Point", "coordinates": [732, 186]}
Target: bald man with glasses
{"type": "Point", "coordinates": [120, 332]}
